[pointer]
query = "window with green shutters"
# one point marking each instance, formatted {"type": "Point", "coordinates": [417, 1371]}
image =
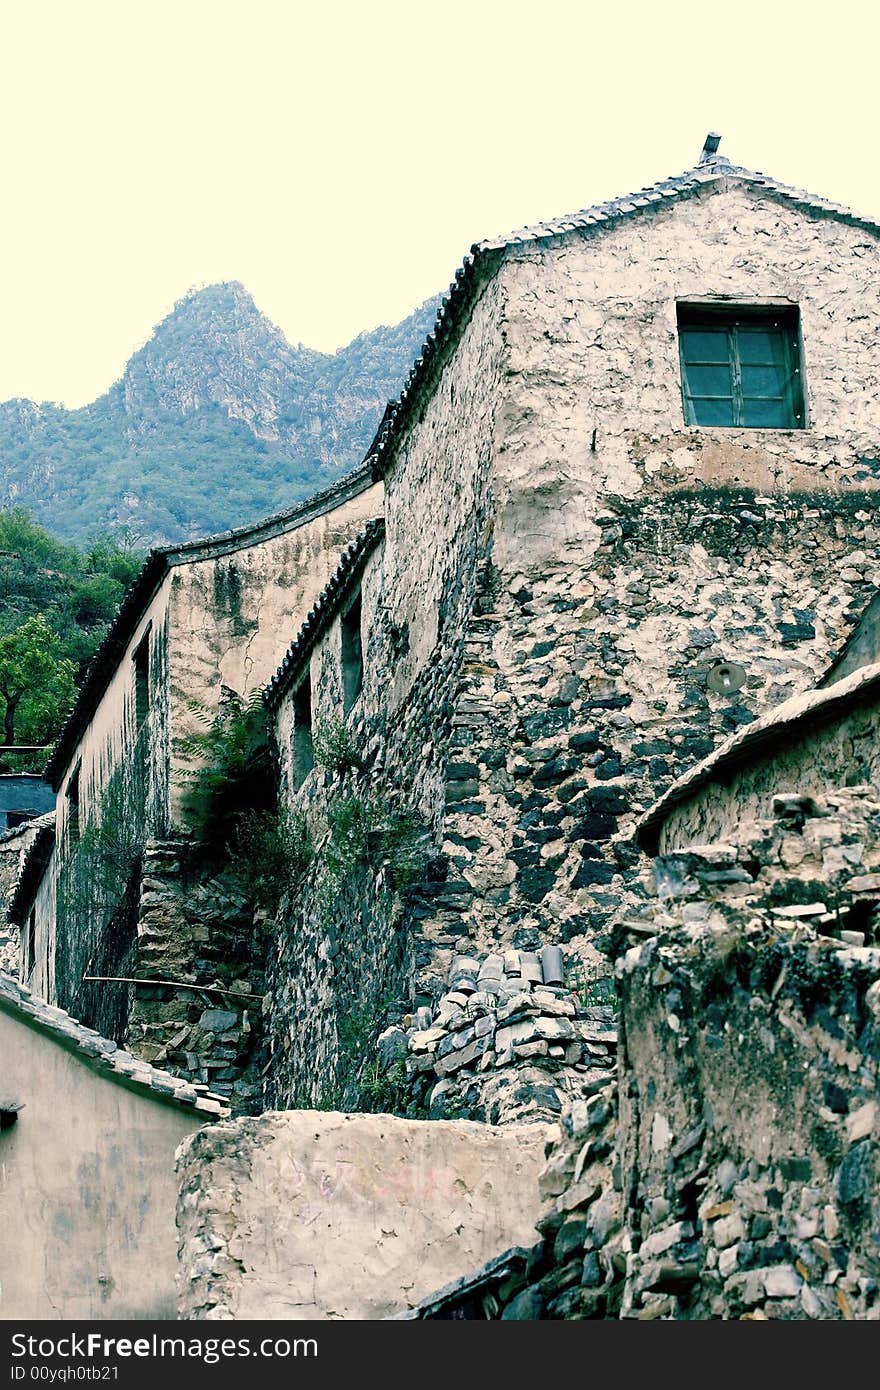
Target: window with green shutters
{"type": "Point", "coordinates": [741, 367]}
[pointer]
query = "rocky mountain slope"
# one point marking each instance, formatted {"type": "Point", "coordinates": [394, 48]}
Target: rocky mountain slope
{"type": "Point", "coordinates": [217, 420]}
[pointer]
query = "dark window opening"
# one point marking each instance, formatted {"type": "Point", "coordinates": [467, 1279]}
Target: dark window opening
{"type": "Point", "coordinates": [741, 366]}
{"type": "Point", "coordinates": [31, 945]}
{"type": "Point", "coordinates": [352, 654]}
{"type": "Point", "coordinates": [142, 683]}
{"type": "Point", "coordinates": [73, 809]}
{"type": "Point", "coordinates": [303, 750]}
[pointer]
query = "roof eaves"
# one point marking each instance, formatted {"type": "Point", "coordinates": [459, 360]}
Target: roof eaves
{"type": "Point", "coordinates": [327, 605]}
{"type": "Point", "coordinates": [26, 828]}
{"type": "Point", "coordinates": [36, 861]}
{"type": "Point", "coordinates": [103, 1055]}
{"type": "Point", "coordinates": [817, 706]}
{"type": "Point", "coordinates": [141, 592]}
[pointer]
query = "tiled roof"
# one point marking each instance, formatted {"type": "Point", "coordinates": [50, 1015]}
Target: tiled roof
{"type": "Point", "coordinates": [27, 828]}
{"type": "Point", "coordinates": [351, 564]}
{"type": "Point", "coordinates": [771, 732]}
{"type": "Point", "coordinates": [36, 860]}
{"type": "Point", "coordinates": [480, 1281]}
{"type": "Point", "coordinates": [485, 257]}
{"type": "Point", "coordinates": [103, 1055]}
{"type": "Point", "coordinates": [142, 590]}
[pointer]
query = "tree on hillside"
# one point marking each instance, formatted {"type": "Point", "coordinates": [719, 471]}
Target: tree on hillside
{"type": "Point", "coordinates": [36, 682]}
{"type": "Point", "coordinates": [77, 593]}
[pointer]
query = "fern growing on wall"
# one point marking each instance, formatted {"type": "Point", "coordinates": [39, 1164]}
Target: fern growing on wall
{"type": "Point", "coordinates": [231, 800]}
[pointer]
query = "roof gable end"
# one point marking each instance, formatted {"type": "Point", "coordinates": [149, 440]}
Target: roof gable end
{"type": "Point", "coordinates": [711, 175]}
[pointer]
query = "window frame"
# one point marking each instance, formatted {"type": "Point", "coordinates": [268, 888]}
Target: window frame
{"type": "Point", "coordinates": [731, 318]}
{"type": "Point", "coordinates": [73, 807]}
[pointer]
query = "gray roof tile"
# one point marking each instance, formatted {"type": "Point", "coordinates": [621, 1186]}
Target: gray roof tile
{"type": "Point", "coordinates": [104, 1055]}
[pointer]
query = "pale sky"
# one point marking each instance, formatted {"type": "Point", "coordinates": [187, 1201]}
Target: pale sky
{"type": "Point", "coordinates": [339, 158]}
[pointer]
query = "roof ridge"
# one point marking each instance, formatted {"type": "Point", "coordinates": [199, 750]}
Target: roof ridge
{"type": "Point", "coordinates": [103, 1054]}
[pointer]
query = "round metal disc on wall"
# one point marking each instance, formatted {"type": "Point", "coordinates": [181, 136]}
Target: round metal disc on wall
{"type": "Point", "coordinates": [726, 677]}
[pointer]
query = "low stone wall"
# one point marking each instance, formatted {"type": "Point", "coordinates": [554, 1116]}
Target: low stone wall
{"type": "Point", "coordinates": [576, 1270]}
{"type": "Point", "coordinates": [310, 1214]}
{"type": "Point", "coordinates": [509, 1041]}
{"type": "Point", "coordinates": [750, 1124]}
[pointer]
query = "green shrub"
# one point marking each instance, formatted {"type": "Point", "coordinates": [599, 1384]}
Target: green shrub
{"type": "Point", "coordinates": [334, 746]}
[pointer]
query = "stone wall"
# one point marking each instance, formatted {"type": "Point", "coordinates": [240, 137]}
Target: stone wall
{"type": "Point", "coordinates": [566, 562]}
{"type": "Point", "coordinates": [234, 611]}
{"type": "Point", "coordinates": [750, 1125]}
{"type": "Point", "coordinates": [742, 1178]}
{"type": "Point", "coordinates": [317, 1215]}
{"type": "Point", "coordinates": [197, 929]}
{"type": "Point", "coordinates": [751, 1047]}
{"type": "Point", "coordinates": [14, 845]}
{"type": "Point", "coordinates": [345, 950]}
{"type": "Point", "coordinates": [586, 692]}
{"type": "Point", "coordinates": [631, 552]}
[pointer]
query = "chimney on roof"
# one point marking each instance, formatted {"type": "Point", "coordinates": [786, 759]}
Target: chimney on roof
{"type": "Point", "coordinates": [710, 147]}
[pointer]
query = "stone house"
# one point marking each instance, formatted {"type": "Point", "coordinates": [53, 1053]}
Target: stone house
{"type": "Point", "coordinates": [813, 745]}
{"type": "Point", "coordinates": [628, 509]}
{"type": "Point", "coordinates": [618, 526]}
{"type": "Point", "coordinates": [627, 497]}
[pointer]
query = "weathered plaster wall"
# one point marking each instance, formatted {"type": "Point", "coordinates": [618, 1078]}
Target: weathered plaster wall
{"type": "Point", "coordinates": [123, 777]}
{"type": "Point", "coordinates": [322, 1215]}
{"type": "Point", "coordinates": [87, 1188]}
{"type": "Point", "coordinates": [590, 328]}
{"type": "Point", "coordinates": [111, 732]}
{"type": "Point", "coordinates": [233, 616]}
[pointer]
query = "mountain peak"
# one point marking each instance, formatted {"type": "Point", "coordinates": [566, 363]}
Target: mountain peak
{"type": "Point", "coordinates": [215, 348]}
{"type": "Point", "coordinates": [216, 421]}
